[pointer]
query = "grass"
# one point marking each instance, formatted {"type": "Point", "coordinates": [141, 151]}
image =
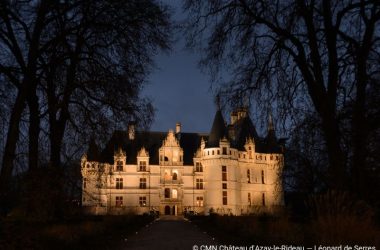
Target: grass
{"type": "Point", "coordinates": [88, 232]}
{"type": "Point", "coordinates": [333, 219]}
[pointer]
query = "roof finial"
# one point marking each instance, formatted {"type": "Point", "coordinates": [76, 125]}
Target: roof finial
{"type": "Point", "coordinates": [270, 120]}
{"type": "Point", "coordinates": [246, 101]}
{"type": "Point", "coordinates": [217, 101]}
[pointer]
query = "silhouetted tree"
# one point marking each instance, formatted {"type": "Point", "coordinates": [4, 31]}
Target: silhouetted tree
{"type": "Point", "coordinates": [319, 54]}
{"type": "Point", "coordinates": [77, 62]}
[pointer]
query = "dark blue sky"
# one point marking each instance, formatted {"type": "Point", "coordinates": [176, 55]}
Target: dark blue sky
{"type": "Point", "coordinates": [179, 90]}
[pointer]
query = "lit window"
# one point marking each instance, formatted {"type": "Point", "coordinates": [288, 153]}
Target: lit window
{"type": "Point", "coordinates": [198, 167]}
{"type": "Point", "coordinates": [119, 166]}
{"type": "Point", "coordinates": [142, 166]}
{"type": "Point", "coordinates": [119, 183]}
{"type": "Point", "coordinates": [224, 173]}
{"type": "Point", "coordinates": [199, 201]}
{"type": "Point", "coordinates": [174, 193]}
{"type": "Point", "coordinates": [248, 176]}
{"type": "Point", "coordinates": [119, 201]}
{"type": "Point", "coordinates": [142, 201]}
{"type": "Point", "coordinates": [142, 183]}
{"type": "Point", "coordinates": [199, 184]}
{"type": "Point", "coordinates": [224, 197]}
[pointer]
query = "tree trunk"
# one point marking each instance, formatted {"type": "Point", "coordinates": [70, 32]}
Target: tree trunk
{"type": "Point", "coordinates": [11, 142]}
{"type": "Point", "coordinates": [337, 176]}
{"type": "Point", "coordinates": [34, 130]}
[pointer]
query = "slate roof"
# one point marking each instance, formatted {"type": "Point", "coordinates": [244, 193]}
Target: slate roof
{"type": "Point", "coordinates": [189, 142]}
{"type": "Point", "coordinates": [93, 153]}
{"type": "Point", "coordinates": [152, 141]}
{"type": "Point", "coordinates": [218, 131]}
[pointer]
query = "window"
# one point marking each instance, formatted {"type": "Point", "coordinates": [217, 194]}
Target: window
{"type": "Point", "coordinates": [262, 177]}
{"type": "Point", "coordinates": [142, 166]}
{"type": "Point", "coordinates": [249, 198]}
{"type": "Point", "coordinates": [248, 176]}
{"type": "Point", "coordinates": [119, 166]}
{"type": "Point", "coordinates": [143, 183]}
{"type": "Point", "coordinates": [174, 193]}
{"type": "Point", "coordinates": [119, 183]}
{"type": "Point", "coordinates": [84, 182]}
{"type": "Point", "coordinates": [198, 167]}
{"type": "Point", "coordinates": [119, 201]}
{"type": "Point", "coordinates": [224, 185]}
{"type": "Point", "coordinates": [175, 176]}
{"type": "Point", "coordinates": [199, 184]}
{"type": "Point", "coordinates": [224, 197]}
{"type": "Point", "coordinates": [263, 199]}
{"type": "Point", "coordinates": [167, 192]}
{"type": "Point", "coordinates": [224, 150]}
{"type": "Point", "coordinates": [218, 152]}
{"type": "Point", "coordinates": [199, 201]}
{"type": "Point", "coordinates": [224, 173]}
{"type": "Point", "coordinates": [271, 157]}
{"type": "Point", "coordinates": [212, 152]}
{"type": "Point", "coordinates": [142, 201]}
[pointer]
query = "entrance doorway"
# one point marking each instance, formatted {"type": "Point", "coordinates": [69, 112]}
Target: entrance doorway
{"type": "Point", "coordinates": [167, 210]}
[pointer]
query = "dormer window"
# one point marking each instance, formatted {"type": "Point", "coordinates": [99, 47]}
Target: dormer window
{"type": "Point", "coordinates": [198, 167]}
{"type": "Point", "coordinates": [224, 150]}
{"type": "Point", "coordinates": [119, 166]}
{"type": "Point", "coordinates": [142, 166]}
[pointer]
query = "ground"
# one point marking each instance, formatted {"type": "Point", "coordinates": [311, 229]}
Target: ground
{"type": "Point", "coordinates": [168, 232]}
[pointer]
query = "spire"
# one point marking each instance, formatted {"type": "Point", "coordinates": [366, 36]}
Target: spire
{"type": "Point", "coordinates": [271, 138]}
{"type": "Point", "coordinates": [218, 130]}
{"type": "Point", "coordinates": [217, 102]}
{"type": "Point", "coordinates": [270, 122]}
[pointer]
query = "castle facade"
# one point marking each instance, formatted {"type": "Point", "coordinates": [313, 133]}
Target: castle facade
{"type": "Point", "coordinates": [231, 170]}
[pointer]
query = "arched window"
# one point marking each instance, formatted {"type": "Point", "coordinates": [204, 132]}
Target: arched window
{"type": "Point", "coordinates": [174, 176]}
{"type": "Point", "coordinates": [167, 192]}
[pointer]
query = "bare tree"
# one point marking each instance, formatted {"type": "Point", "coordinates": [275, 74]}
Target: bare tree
{"type": "Point", "coordinates": [302, 54]}
{"type": "Point", "coordinates": [77, 62]}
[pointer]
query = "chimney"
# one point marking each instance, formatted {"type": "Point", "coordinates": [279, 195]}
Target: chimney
{"type": "Point", "coordinates": [131, 130]}
{"type": "Point", "coordinates": [178, 127]}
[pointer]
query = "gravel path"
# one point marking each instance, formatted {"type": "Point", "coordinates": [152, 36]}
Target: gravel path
{"type": "Point", "coordinates": [169, 232]}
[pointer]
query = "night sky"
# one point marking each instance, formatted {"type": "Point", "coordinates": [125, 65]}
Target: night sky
{"type": "Point", "coordinates": [179, 90]}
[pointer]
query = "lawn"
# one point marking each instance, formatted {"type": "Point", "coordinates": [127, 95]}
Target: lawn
{"type": "Point", "coordinates": [84, 232]}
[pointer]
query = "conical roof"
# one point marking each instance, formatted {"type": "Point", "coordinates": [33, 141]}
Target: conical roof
{"type": "Point", "coordinates": [218, 130]}
{"type": "Point", "coordinates": [93, 152]}
{"type": "Point", "coordinates": [271, 139]}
